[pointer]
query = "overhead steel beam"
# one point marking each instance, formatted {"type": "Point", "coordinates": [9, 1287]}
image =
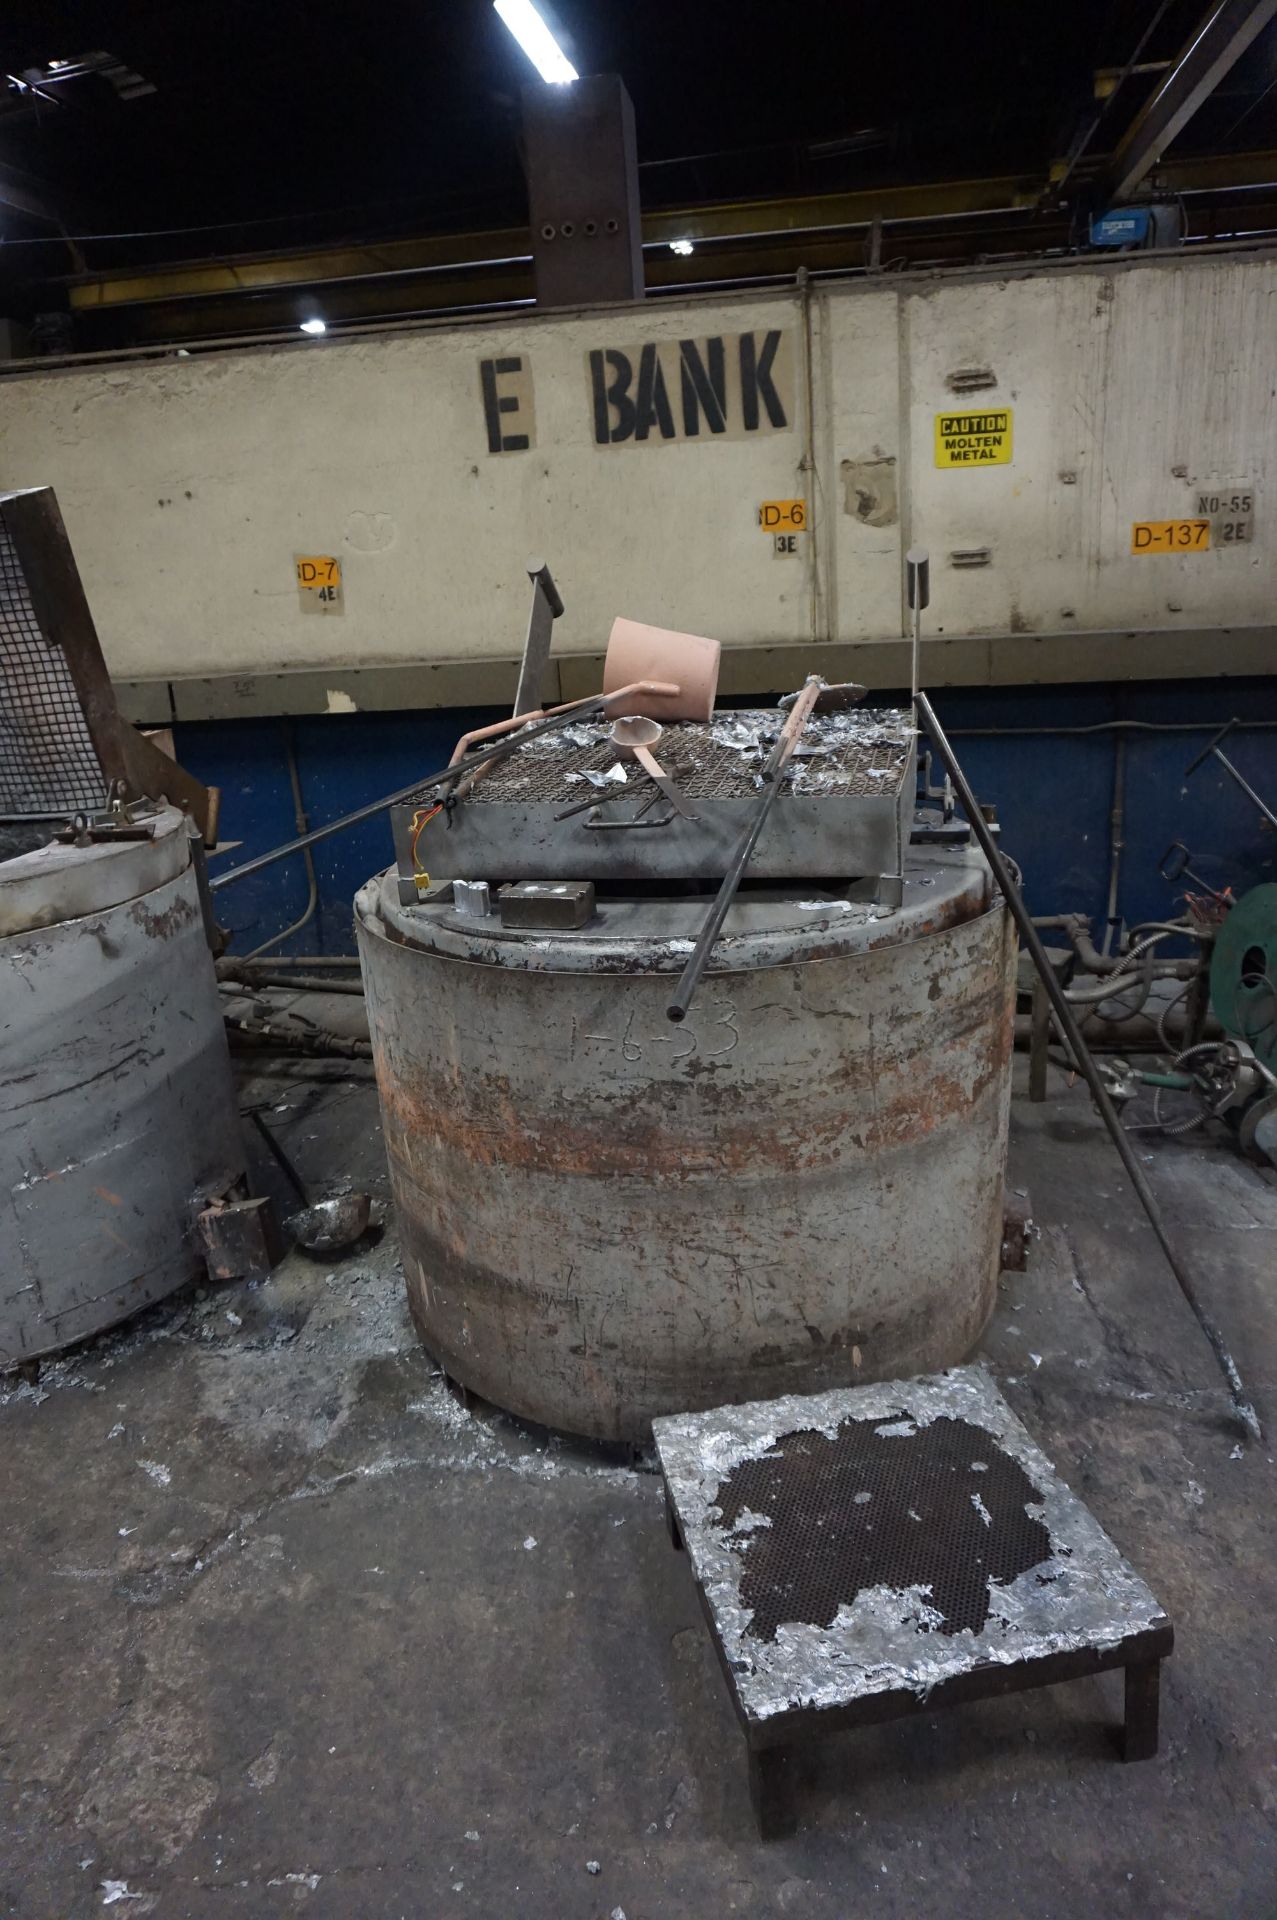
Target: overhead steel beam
{"type": "Point", "coordinates": [750, 218]}
{"type": "Point", "coordinates": [812, 221]}
{"type": "Point", "coordinates": [1217, 43]}
{"type": "Point", "coordinates": [25, 195]}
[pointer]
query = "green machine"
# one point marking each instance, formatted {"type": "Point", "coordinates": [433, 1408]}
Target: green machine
{"type": "Point", "coordinates": [1234, 1079]}
{"type": "Point", "coordinates": [1243, 973]}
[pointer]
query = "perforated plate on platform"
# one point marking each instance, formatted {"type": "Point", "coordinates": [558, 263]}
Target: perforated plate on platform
{"type": "Point", "coordinates": [884, 1538]}
{"type": "Point", "coordinates": [860, 752]}
{"type": "Point", "coordinates": [47, 757]}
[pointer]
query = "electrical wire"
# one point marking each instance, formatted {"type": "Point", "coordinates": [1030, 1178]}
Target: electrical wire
{"type": "Point", "coordinates": [421, 818]}
{"type": "Point", "coordinates": [1092, 996]}
{"type": "Point", "coordinates": [1174, 1000]}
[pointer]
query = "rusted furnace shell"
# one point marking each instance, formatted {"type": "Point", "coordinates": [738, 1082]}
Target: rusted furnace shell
{"type": "Point", "coordinates": [604, 1217]}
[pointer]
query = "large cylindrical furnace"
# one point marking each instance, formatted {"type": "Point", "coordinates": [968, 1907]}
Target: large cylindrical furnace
{"type": "Point", "coordinates": [605, 1217]}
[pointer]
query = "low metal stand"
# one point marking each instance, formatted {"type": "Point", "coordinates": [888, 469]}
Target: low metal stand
{"type": "Point", "coordinates": [880, 1551]}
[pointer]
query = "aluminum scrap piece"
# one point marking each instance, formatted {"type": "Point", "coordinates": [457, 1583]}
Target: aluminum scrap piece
{"type": "Point", "coordinates": [1081, 1595]}
{"type": "Point", "coordinates": [858, 751]}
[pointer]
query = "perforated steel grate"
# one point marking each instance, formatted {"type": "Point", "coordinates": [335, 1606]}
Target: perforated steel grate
{"type": "Point", "coordinates": [858, 753]}
{"type": "Point", "coordinates": [940, 1507]}
{"type": "Point", "coordinates": [47, 758]}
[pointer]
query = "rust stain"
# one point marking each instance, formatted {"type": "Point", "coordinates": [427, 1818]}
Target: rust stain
{"type": "Point", "coordinates": [648, 1136]}
{"type": "Point", "coordinates": [166, 925]}
{"type": "Point", "coordinates": [945, 1056]}
{"type": "Point", "coordinates": [112, 1199]}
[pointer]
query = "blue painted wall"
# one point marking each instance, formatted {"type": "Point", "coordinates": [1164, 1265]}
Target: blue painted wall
{"type": "Point", "coordinates": [1053, 791]}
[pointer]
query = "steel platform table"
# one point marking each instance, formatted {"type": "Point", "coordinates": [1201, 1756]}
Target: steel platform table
{"type": "Point", "coordinates": [884, 1550]}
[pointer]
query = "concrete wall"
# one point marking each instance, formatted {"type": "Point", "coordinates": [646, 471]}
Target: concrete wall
{"type": "Point", "coordinates": [190, 485]}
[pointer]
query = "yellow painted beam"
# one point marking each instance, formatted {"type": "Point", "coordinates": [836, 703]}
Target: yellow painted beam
{"type": "Point", "coordinates": [460, 254]}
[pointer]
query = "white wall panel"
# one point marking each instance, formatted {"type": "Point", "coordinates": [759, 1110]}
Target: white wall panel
{"type": "Point", "coordinates": [189, 484]}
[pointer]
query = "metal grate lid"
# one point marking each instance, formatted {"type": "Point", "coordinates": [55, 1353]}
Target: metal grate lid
{"type": "Point", "coordinates": [47, 758]}
{"type": "Point", "coordinates": [939, 1507]}
{"type": "Point", "coordinates": [864, 752]}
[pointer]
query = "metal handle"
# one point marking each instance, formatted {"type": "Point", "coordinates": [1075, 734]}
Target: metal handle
{"type": "Point", "coordinates": [1174, 861]}
{"type": "Point", "coordinates": [538, 571]}
{"type": "Point", "coordinates": [1210, 747]}
{"type": "Point", "coordinates": [918, 589]}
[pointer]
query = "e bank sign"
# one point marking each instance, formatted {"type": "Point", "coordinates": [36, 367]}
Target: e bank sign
{"type": "Point", "coordinates": [724, 387]}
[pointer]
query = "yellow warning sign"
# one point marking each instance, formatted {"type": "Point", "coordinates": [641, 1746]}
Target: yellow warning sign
{"type": "Point", "coordinates": [974, 439]}
{"type": "Point", "coordinates": [1170, 536]}
{"type": "Point", "coordinates": [783, 516]}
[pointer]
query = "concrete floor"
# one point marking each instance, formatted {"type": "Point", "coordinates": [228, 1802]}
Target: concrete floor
{"type": "Point", "coordinates": [284, 1630]}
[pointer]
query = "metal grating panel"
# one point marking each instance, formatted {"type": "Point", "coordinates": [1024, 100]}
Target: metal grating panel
{"type": "Point", "coordinates": [940, 1507]}
{"type": "Point", "coordinates": [861, 753]}
{"type": "Point", "coordinates": [47, 758]}
{"type": "Point", "coordinates": [824, 1592]}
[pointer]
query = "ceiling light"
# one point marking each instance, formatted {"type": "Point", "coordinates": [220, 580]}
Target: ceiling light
{"type": "Point", "coordinates": [681, 246]}
{"type": "Point", "coordinates": [314, 326]}
{"type": "Point", "coordinates": [540, 45]}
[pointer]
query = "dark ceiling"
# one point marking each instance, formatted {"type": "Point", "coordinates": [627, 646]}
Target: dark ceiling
{"type": "Point", "coordinates": [279, 123]}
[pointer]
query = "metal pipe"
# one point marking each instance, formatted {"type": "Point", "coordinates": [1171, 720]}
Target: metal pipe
{"type": "Point", "coordinates": [312, 960]}
{"type": "Point", "coordinates": [1055, 189]}
{"type": "Point", "coordinates": [786, 741]}
{"type": "Point", "coordinates": [301, 823]}
{"type": "Point", "coordinates": [250, 981]}
{"type": "Point", "coordinates": [1246, 788]}
{"type": "Point", "coordinates": [1115, 840]}
{"type": "Point", "coordinates": [1220, 38]}
{"type": "Point", "coordinates": [1078, 1049]}
{"type": "Point", "coordinates": [918, 590]}
{"type": "Point", "coordinates": [809, 459]}
{"type": "Point", "coordinates": [1212, 747]}
{"type": "Point", "coordinates": [450, 773]}
{"type": "Point", "coordinates": [1137, 1033]}
{"type": "Point", "coordinates": [667, 689]}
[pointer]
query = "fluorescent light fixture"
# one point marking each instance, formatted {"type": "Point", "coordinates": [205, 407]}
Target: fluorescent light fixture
{"type": "Point", "coordinates": [315, 326]}
{"type": "Point", "coordinates": [540, 45]}
{"type": "Point", "coordinates": [681, 246]}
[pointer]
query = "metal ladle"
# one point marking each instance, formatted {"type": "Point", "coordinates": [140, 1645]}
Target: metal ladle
{"type": "Point", "coordinates": [634, 737]}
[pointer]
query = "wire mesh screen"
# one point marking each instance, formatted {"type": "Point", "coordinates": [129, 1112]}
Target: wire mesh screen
{"type": "Point", "coordinates": [48, 762]}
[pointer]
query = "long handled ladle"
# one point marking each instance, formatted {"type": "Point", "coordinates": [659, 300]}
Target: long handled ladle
{"type": "Point", "coordinates": [634, 736]}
